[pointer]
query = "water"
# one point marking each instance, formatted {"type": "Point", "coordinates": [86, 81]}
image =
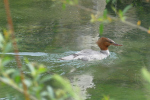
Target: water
{"type": "Point", "coordinates": [47, 33]}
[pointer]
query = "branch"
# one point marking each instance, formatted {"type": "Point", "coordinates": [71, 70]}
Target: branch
{"type": "Point", "coordinates": [10, 23]}
{"type": "Point", "coordinates": [114, 18]}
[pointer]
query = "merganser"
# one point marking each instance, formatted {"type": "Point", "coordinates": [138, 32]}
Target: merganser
{"type": "Point", "coordinates": [90, 55]}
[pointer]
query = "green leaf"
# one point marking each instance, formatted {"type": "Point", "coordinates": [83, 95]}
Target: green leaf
{"type": "Point", "coordinates": [126, 9]}
{"type": "Point", "coordinates": [41, 69]}
{"type": "Point", "coordinates": [26, 60]}
{"type": "Point", "coordinates": [6, 60]}
{"type": "Point", "coordinates": [44, 93]}
{"type": "Point", "coordinates": [146, 74]}
{"type": "Point", "coordinates": [67, 1]}
{"type": "Point", "coordinates": [64, 6]}
{"type": "Point", "coordinates": [101, 28]}
{"type": "Point", "coordinates": [17, 79]}
{"type": "Point", "coordinates": [32, 69]}
{"type": "Point", "coordinates": [51, 92]}
{"type": "Point", "coordinates": [5, 80]}
{"type": "Point", "coordinates": [114, 9]}
{"type": "Point", "coordinates": [9, 71]}
{"type": "Point", "coordinates": [45, 78]}
{"type": "Point", "coordinates": [1, 38]}
{"type": "Point", "coordinates": [120, 13]}
{"type": "Point", "coordinates": [105, 13]}
{"type": "Point", "coordinates": [27, 82]}
{"type": "Point", "coordinates": [107, 1]}
{"type": "Point", "coordinates": [76, 1]}
{"type": "Point", "coordinates": [8, 47]}
{"type": "Point", "coordinates": [114, 1]}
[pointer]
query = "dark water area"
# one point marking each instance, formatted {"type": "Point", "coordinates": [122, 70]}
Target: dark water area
{"type": "Point", "coordinates": [46, 33]}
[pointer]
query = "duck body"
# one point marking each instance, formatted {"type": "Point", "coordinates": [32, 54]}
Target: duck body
{"type": "Point", "coordinates": [90, 55]}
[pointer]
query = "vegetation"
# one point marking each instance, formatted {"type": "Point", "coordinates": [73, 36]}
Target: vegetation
{"type": "Point", "coordinates": [30, 79]}
{"type": "Point", "coordinates": [39, 85]}
{"type": "Point", "coordinates": [106, 18]}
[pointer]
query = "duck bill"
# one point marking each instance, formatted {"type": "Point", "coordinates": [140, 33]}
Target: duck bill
{"type": "Point", "coordinates": [117, 44]}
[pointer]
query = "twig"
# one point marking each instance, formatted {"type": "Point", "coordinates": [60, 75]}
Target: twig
{"type": "Point", "coordinates": [10, 24]}
{"type": "Point", "coordinates": [13, 85]}
{"type": "Point", "coordinates": [114, 18]}
{"type": "Point", "coordinates": [140, 27]}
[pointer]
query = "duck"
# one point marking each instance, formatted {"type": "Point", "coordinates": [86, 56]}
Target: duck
{"type": "Point", "coordinates": [90, 55]}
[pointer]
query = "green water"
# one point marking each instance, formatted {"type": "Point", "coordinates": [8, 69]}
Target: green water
{"type": "Point", "coordinates": [46, 33]}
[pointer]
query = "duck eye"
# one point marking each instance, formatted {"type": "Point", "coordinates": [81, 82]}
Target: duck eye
{"type": "Point", "coordinates": [110, 42]}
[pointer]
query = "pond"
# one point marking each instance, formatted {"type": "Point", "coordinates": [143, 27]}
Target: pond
{"type": "Point", "coordinates": [46, 32]}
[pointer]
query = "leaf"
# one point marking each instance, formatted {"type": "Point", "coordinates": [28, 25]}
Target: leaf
{"type": "Point", "coordinates": [32, 69]}
{"type": "Point", "coordinates": [26, 60]}
{"type": "Point", "coordinates": [120, 13]}
{"type": "Point", "coordinates": [41, 69]}
{"type": "Point", "coordinates": [1, 38]}
{"type": "Point", "coordinates": [148, 31]}
{"type": "Point", "coordinates": [64, 6]}
{"type": "Point", "coordinates": [123, 18]}
{"type": "Point", "coordinates": [114, 1]}
{"type": "Point", "coordinates": [93, 18]}
{"type": "Point", "coordinates": [67, 1]}
{"type": "Point", "coordinates": [109, 19]}
{"type": "Point", "coordinates": [107, 1]}
{"type": "Point", "coordinates": [45, 78]}
{"type": "Point", "coordinates": [101, 28]}
{"type": "Point", "coordinates": [17, 79]}
{"type": "Point", "coordinates": [27, 82]}
{"type": "Point", "coordinates": [126, 9]}
{"type": "Point", "coordinates": [50, 91]}
{"type": "Point", "coordinates": [146, 74]}
{"type": "Point", "coordinates": [105, 97]}
{"type": "Point", "coordinates": [6, 60]}
{"type": "Point", "coordinates": [8, 47]}
{"type": "Point", "coordinates": [139, 23]}
{"type": "Point", "coordinates": [105, 13]}
{"type": "Point", "coordinates": [114, 9]}
{"type": "Point", "coordinates": [44, 93]}
{"type": "Point", "coordinates": [5, 80]}
{"type": "Point", "coordinates": [76, 1]}
{"type": "Point", "coordinates": [9, 71]}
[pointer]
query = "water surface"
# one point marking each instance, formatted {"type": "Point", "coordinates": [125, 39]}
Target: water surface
{"type": "Point", "coordinates": [47, 33]}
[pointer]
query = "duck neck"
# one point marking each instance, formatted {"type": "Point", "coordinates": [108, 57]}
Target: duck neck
{"type": "Point", "coordinates": [105, 52]}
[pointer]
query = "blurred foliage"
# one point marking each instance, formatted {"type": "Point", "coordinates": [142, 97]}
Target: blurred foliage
{"type": "Point", "coordinates": [146, 77]}
{"type": "Point", "coordinates": [41, 85]}
{"type": "Point", "coordinates": [66, 2]}
{"type": "Point", "coordinates": [106, 18]}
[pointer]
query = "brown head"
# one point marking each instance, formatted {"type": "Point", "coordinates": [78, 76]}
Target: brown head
{"type": "Point", "coordinates": [104, 43]}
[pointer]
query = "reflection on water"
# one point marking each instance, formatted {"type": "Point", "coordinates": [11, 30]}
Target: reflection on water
{"type": "Point", "coordinates": [83, 82]}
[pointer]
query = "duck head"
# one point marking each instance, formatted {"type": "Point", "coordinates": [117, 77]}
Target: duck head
{"type": "Point", "coordinates": [104, 43]}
